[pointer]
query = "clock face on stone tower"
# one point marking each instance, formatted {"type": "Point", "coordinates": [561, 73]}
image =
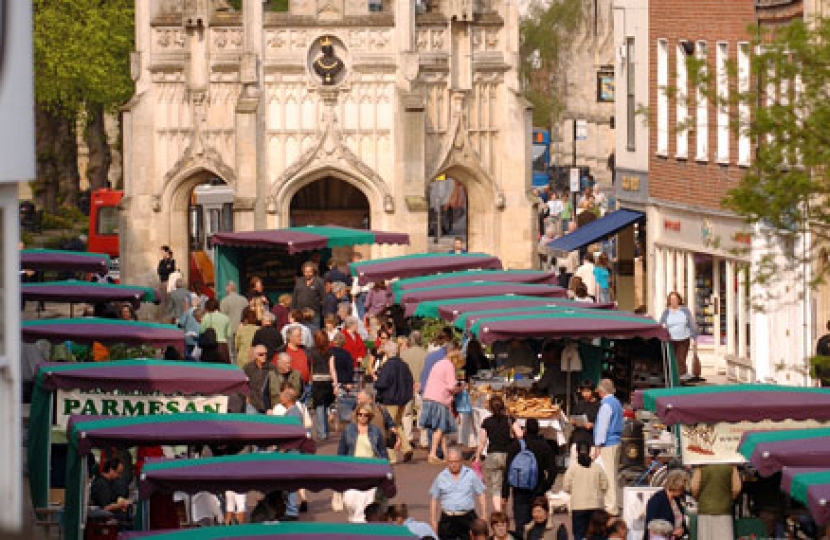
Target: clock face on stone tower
{"type": "Point", "coordinates": [326, 60]}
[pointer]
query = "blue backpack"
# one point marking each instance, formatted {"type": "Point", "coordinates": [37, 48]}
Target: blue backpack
{"type": "Point", "coordinates": [524, 471]}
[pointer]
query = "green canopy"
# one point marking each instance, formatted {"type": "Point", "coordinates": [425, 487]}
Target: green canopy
{"type": "Point", "coordinates": [430, 307]}
{"type": "Point", "coordinates": [813, 490]}
{"type": "Point", "coordinates": [482, 275]}
{"type": "Point", "coordinates": [300, 531]}
{"type": "Point", "coordinates": [647, 399]}
{"type": "Point", "coordinates": [399, 294]}
{"type": "Point", "coordinates": [753, 439]}
{"type": "Point", "coordinates": [461, 321]}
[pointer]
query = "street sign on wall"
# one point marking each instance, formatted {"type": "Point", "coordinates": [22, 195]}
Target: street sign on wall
{"type": "Point", "coordinates": [574, 180]}
{"type": "Point", "coordinates": [581, 130]}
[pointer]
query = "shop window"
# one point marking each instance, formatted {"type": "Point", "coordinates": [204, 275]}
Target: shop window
{"type": "Point", "coordinates": [375, 5]}
{"type": "Point", "coordinates": [681, 129]}
{"type": "Point", "coordinates": [702, 106]}
{"type": "Point", "coordinates": [744, 147]}
{"type": "Point", "coordinates": [662, 97]}
{"type": "Point", "coordinates": [722, 81]}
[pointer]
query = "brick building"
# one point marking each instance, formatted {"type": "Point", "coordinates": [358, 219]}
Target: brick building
{"type": "Point", "coordinates": [695, 246]}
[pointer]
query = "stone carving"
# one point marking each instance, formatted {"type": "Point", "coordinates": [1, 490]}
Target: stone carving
{"type": "Point", "coordinates": [299, 39]}
{"type": "Point", "coordinates": [330, 10]}
{"type": "Point", "coordinates": [172, 38]}
{"type": "Point", "coordinates": [230, 38]}
{"type": "Point", "coordinates": [492, 39]}
{"type": "Point", "coordinates": [329, 151]}
{"type": "Point", "coordinates": [432, 40]}
{"type": "Point", "coordinates": [457, 149]}
{"type": "Point", "coordinates": [276, 40]}
{"type": "Point", "coordinates": [327, 65]}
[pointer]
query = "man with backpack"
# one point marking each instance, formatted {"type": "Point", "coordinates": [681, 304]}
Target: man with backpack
{"type": "Point", "coordinates": [530, 473]}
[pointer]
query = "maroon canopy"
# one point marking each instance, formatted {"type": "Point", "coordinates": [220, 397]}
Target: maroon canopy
{"type": "Point", "coordinates": [770, 457]}
{"type": "Point", "coordinates": [490, 276]}
{"type": "Point", "coordinates": [86, 292]}
{"type": "Point", "coordinates": [297, 239]}
{"type": "Point", "coordinates": [410, 299]}
{"type": "Point", "coordinates": [732, 407]}
{"type": "Point", "coordinates": [422, 264]}
{"type": "Point", "coordinates": [568, 324]}
{"type": "Point", "coordinates": [267, 472]}
{"type": "Point", "coordinates": [146, 376]}
{"type": "Point", "coordinates": [465, 321]}
{"type": "Point", "coordinates": [787, 474]}
{"type": "Point", "coordinates": [73, 261]}
{"type": "Point", "coordinates": [90, 329]}
{"type": "Point", "coordinates": [88, 432]}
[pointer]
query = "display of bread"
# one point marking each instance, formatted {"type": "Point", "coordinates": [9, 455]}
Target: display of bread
{"type": "Point", "coordinates": [532, 407]}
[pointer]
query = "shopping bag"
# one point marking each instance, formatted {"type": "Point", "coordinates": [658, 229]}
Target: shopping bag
{"type": "Point", "coordinates": [461, 402]}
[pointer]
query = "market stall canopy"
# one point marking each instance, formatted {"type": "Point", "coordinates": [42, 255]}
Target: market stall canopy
{"type": "Point", "coordinates": [596, 230]}
{"type": "Point", "coordinates": [139, 375]}
{"type": "Point", "coordinates": [467, 276]}
{"type": "Point", "coordinates": [411, 298]}
{"type": "Point", "coordinates": [728, 403]}
{"type": "Point", "coordinates": [297, 239]}
{"type": "Point", "coordinates": [421, 264]}
{"type": "Point", "coordinates": [87, 432]}
{"type": "Point", "coordinates": [86, 292]}
{"type": "Point", "coordinates": [568, 324]}
{"type": "Point", "coordinates": [267, 472]}
{"type": "Point", "coordinates": [70, 261]}
{"type": "Point", "coordinates": [770, 451]}
{"type": "Point", "coordinates": [811, 487]}
{"type": "Point", "coordinates": [450, 309]}
{"type": "Point", "coordinates": [465, 321]}
{"type": "Point", "coordinates": [298, 531]}
{"type": "Point", "coordinates": [90, 329]}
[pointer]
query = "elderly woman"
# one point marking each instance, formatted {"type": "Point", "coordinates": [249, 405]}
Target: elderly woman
{"type": "Point", "coordinates": [666, 504]}
{"type": "Point", "coordinates": [361, 438]}
{"type": "Point", "coordinates": [353, 342]}
{"type": "Point", "coordinates": [682, 330]}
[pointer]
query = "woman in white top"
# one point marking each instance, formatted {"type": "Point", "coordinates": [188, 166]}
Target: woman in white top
{"type": "Point", "coordinates": [682, 329]}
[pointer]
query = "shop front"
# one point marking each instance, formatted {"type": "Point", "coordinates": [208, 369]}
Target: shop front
{"type": "Point", "coordinates": [706, 258]}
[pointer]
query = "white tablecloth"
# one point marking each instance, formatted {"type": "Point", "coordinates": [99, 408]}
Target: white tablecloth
{"type": "Point", "coordinates": [469, 427]}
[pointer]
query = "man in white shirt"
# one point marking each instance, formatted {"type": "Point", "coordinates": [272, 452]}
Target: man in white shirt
{"type": "Point", "coordinates": [585, 272]}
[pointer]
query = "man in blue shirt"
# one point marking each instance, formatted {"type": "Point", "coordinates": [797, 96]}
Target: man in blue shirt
{"type": "Point", "coordinates": [456, 493]}
{"type": "Point", "coordinates": [607, 437]}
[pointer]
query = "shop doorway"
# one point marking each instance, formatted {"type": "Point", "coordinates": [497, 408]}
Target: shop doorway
{"type": "Point", "coordinates": [330, 201]}
{"type": "Point", "coordinates": [448, 217]}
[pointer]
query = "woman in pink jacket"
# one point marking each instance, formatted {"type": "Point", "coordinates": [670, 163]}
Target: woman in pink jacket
{"type": "Point", "coordinates": [436, 415]}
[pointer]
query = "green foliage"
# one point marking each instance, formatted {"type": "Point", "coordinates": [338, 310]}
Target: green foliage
{"type": "Point", "coordinates": [430, 328]}
{"type": "Point", "coordinates": [785, 190]}
{"type": "Point", "coordinates": [546, 37]}
{"type": "Point", "coordinates": [57, 242]}
{"type": "Point", "coordinates": [67, 218]}
{"type": "Point", "coordinates": [82, 53]}
{"type": "Point", "coordinates": [120, 351]}
{"type": "Point", "coordinates": [53, 222]}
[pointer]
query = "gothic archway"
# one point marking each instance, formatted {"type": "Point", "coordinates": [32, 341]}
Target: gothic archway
{"type": "Point", "coordinates": [330, 200]}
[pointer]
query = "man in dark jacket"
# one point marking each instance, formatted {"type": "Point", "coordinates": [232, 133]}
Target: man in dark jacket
{"type": "Point", "coordinates": [395, 386]}
{"type": "Point", "coordinates": [545, 467]}
{"type": "Point", "coordinates": [309, 291]}
{"type": "Point", "coordinates": [262, 379]}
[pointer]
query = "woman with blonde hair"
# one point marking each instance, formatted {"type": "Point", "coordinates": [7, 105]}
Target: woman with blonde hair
{"type": "Point", "coordinates": [361, 438]}
{"type": "Point", "coordinates": [666, 504]}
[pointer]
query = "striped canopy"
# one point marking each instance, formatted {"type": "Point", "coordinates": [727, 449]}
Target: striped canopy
{"type": "Point", "coordinates": [421, 264]}
{"type": "Point", "coordinates": [267, 472]}
{"type": "Point", "coordinates": [86, 292]}
{"type": "Point", "coordinates": [410, 299]}
{"type": "Point", "coordinates": [55, 259]}
{"type": "Point", "coordinates": [298, 531]}
{"type": "Point", "coordinates": [771, 451]}
{"type": "Point", "coordinates": [728, 403]}
{"type": "Point", "coordinates": [297, 239]}
{"type": "Point", "coordinates": [450, 309]}
{"type": "Point", "coordinates": [89, 329]}
{"type": "Point", "coordinates": [568, 324]}
{"type": "Point", "coordinates": [467, 276]}
{"type": "Point", "coordinates": [466, 320]}
{"type": "Point", "coordinates": [811, 487]}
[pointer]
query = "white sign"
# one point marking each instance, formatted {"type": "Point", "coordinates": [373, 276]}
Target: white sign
{"type": "Point", "coordinates": [77, 402]}
{"type": "Point", "coordinates": [581, 130]}
{"type": "Point", "coordinates": [718, 443]}
{"type": "Point", "coordinates": [574, 178]}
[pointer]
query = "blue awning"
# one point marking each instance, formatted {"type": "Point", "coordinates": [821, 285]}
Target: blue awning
{"type": "Point", "coordinates": [596, 230]}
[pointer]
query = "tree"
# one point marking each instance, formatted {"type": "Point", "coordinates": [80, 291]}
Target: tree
{"type": "Point", "coordinates": [546, 38]}
{"type": "Point", "coordinates": [785, 114]}
{"type": "Point", "coordinates": [82, 65]}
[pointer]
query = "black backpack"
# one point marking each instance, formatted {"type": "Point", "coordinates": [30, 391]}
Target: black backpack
{"type": "Point", "coordinates": [207, 339]}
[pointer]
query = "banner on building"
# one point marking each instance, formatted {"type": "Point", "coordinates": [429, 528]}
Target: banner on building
{"type": "Point", "coordinates": [71, 402]}
{"type": "Point", "coordinates": [703, 444]}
